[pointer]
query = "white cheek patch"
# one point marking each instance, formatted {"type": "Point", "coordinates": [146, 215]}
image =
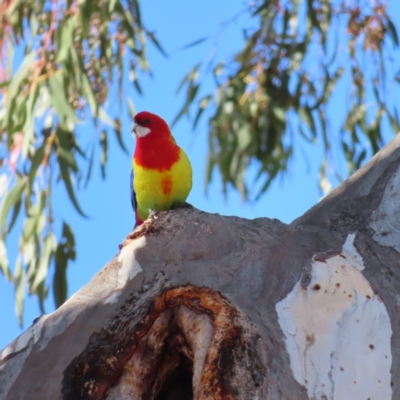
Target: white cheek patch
{"type": "Point", "coordinates": [141, 131]}
{"type": "Point", "coordinates": [337, 331]}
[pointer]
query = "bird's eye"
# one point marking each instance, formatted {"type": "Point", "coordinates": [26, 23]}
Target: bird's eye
{"type": "Point", "coordinates": [146, 121]}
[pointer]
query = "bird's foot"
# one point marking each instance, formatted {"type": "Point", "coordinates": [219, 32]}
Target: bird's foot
{"type": "Point", "coordinates": [152, 214]}
{"type": "Point", "coordinates": [141, 229]}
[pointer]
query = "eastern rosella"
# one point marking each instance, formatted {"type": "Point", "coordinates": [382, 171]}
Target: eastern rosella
{"type": "Point", "coordinates": [161, 175]}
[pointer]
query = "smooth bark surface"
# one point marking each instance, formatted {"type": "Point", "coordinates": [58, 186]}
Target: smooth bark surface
{"type": "Point", "coordinates": [193, 306]}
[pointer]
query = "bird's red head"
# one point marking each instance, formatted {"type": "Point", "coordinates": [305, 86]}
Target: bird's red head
{"type": "Point", "coordinates": [146, 123]}
{"type": "Point", "coordinates": [155, 146]}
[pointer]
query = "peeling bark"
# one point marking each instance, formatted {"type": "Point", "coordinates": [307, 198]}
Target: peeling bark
{"type": "Point", "coordinates": [200, 306]}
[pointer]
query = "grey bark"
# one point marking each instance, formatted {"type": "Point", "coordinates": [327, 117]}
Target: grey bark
{"type": "Point", "coordinates": [112, 338]}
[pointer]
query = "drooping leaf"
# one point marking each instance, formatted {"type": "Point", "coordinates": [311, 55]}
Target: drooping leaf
{"type": "Point", "coordinates": [393, 32]}
{"type": "Point", "coordinates": [156, 43]}
{"type": "Point", "coordinates": [49, 247]}
{"type": "Point", "coordinates": [104, 152]}
{"type": "Point", "coordinates": [4, 263]}
{"type": "Point", "coordinates": [64, 69]}
{"type": "Point", "coordinates": [118, 135]}
{"type": "Point", "coordinates": [204, 102]}
{"type": "Point", "coordinates": [19, 76]}
{"type": "Point", "coordinates": [131, 108]}
{"type": "Point", "coordinates": [65, 31]}
{"type": "Point", "coordinates": [29, 128]}
{"type": "Point", "coordinates": [9, 200]}
{"type": "Point", "coordinates": [195, 43]}
{"type": "Point", "coordinates": [66, 178]}
{"type": "Point", "coordinates": [90, 166]}
{"type": "Point", "coordinates": [14, 215]}
{"type": "Point", "coordinates": [37, 159]}
{"type": "Point", "coordinates": [65, 252]}
{"type": "Point", "coordinates": [19, 283]}
{"type": "Point", "coordinates": [34, 221]}
{"type": "Point", "coordinates": [61, 105]}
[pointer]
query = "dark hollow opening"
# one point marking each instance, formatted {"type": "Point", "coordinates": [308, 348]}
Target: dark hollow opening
{"type": "Point", "coordinates": [178, 383]}
{"type": "Point", "coordinates": [178, 386]}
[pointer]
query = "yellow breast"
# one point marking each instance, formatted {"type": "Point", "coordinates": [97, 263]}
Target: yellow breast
{"type": "Point", "coordinates": [160, 190]}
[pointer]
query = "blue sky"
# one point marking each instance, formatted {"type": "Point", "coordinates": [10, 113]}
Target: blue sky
{"type": "Point", "coordinates": [107, 202]}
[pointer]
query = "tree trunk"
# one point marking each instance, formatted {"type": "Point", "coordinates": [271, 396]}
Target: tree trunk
{"type": "Point", "coordinates": [201, 306]}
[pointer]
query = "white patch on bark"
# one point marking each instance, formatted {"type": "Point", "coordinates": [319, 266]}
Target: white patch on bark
{"type": "Point", "coordinates": [128, 270]}
{"type": "Point", "coordinates": [385, 220]}
{"type": "Point", "coordinates": [32, 334]}
{"type": "Point", "coordinates": [337, 331]}
{"type": "Point", "coordinates": [129, 267]}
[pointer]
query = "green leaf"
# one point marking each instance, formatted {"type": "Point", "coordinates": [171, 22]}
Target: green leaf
{"type": "Point", "coordinates": [89, 95]}
{"type": "Point", "coordinates": [105, 118]}
{"type": "Point", "coordinates": [19, 283]}
{"type": "Point", "coordinates": [190, 96]}
{"type": "Point", "coordinates": [305, 135]}
{"type": "Point", "coordinates": [4, 265]}
{"type": "Point", "coordinates": [90, 167]}
{"type": "Point", "coordinates": [133, 77]}
{"type": "Point", "coordinates": [118, 135]}
{"type": "Point", "coordinates": [195, 43]}
{"type": "Point", "coordinates": [203, 103]}
{"type": "Point", "coordinates": [104, 152]}
{"type": "Point", "coordinates": [245, 137]}
{"type": "Point", "coordinates": [306, 116]}
{"type": "Point", "coordinates": [360, 159]}
{"type": "Point", "coordinates": [65, 41]}
{"type": "Point", "coordinates": [65, 176]}
{"type": "Point", "coordinates": [20, 75]}
{"type": "Point", "coordinates": [60, 103]}
{"type": "Point", "coordinates": [4, 84]}
{"type": "Point", "coordinates": [42, 292]}
{"type": "Point", "coordinates": [49, 247]}
{"type": "Point", "coordinates": [111, 5]}
{"type": "Point", "coordinates": [279, 113]}
{"type": "Point", "coordinates": [394, 123]}
{"type": "Point", "coordinates": [156, 43]}
{"type": "Point", "coordinates": [14, 216]}
{"type": "Point", "coordinates": [9, 200]}
{"type": "Point", "coordinates": [29, 128]}
{"type": "Point", "coordinates": [33, 222]}
{"type": "Point", "coordinates": [64, 148]}
{"type": "Point", "coordinates": [331, 82]}
{"type": "Point", "coordinates": [392, 32]}
{"type": "Point", "coordinates": [64, 253]}
{"type": "Point", "coordinates": [37, 159]}
{"type": "Point", "coordinates": [131, 108]}
{"type": "Point", "coordinates": [217, 71]}
{"type": "Point", "coordinates": [190, 77]}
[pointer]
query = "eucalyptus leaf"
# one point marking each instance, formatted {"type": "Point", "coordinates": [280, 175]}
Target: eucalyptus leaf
{"type": "Point", "coordinates": [19, 283]}
{"type": "Point", "coordinates": [4, 263]}
{"type": "Point", "coordinates": [104, 152]}
{"type": "Point", "coordinates": [49, 247]}
{"type": "Point", "coordinates": [61, 75]}
{"type": "Point", "coordinates": [66, 178]}
{"type": "Point", "coordinates": [61, 105]}
{"type": "Point", "coordinates": [9, 200]}
{"type": "Point", "coordinates": [65, 252]}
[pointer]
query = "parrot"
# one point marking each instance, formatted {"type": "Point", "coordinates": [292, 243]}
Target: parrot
{"type": "Point", "coordinates": [161, 176]}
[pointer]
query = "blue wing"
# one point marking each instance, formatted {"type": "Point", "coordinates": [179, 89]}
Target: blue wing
{"type": "Point", "coordinates": [138, 221]}
{"type": "Point", "coordinates": [133, 195]}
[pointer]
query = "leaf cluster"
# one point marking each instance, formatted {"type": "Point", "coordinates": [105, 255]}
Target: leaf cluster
{"type": "Point", "coordinates": [276, 91]}
{"type": "Point", "coordinates": [58, 62]}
